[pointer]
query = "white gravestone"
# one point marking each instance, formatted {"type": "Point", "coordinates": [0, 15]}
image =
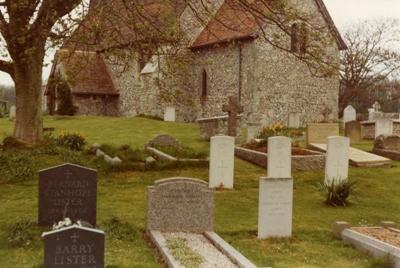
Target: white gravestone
{"type": "Point", "coordinates": [349, 114]}
{"type": "Point", "coordinates": [294, 120]}
{"type": "Point", "coordinates": [222, 156]}
{"type": "Point", "coordinates": [252, 131]}
{"type": "Point", "coordinates": [371, 114]}
{"type": "Point", "coordinates": [337, 159]}
{"type": "Point", "coordinates": [276, 192]}
{"type": "Point", "coordinates": [279, 157]}
{"type": "Point", "coordinates": [169, 114]}
{"type": "Point", "coordinates": [383, 126]}
{"type": "Point", "coordinates": [13, 113]}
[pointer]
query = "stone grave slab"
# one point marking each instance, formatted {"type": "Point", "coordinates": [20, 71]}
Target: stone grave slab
{"type": "Point", "coordinates": [319, 132]}
{"type": "Point", "coordinates": [183, 208]}
{"type": "Point", "coordinates": [222, 157]}
{"type": "Point", "coordinates": [67, 191]}
{"type": "Point", "coordinates": [353, 131]}
{"type": "Point", "coordinates": [358, 157]}
{"type": "Point", "coordinates": [169, 114]}
{"type": "Point", "coordinates": [74, 247]}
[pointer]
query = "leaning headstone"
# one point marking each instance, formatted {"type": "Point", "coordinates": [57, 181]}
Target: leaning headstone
{"type": "Point", "coordinates": [222, 156]}
{"type": "Point", "coordinates": [74, 247]}
{"type": "Point", "coordinates": [169, 114]}
{"type": "Point", "coordinates": [180, 205]}
{"type": "Point", "coordinates": [67, 191]}
{"type": "Point", "coordinates": [353, 131]}
{"type": "Point", "coordinates": [13, 112]}
{"type": "Point", "coordinates": [276, 192]}
{"type": "Point", "coordinates": [294, 120]}
{"type": "Point", "coordinates": [233, 108]}
{"type": "Point", "coordinates": [349, 114]}
{"type": "Point", "coordinates": [383, 126]}
{"type": "Point", "coordinates": [337, 159]}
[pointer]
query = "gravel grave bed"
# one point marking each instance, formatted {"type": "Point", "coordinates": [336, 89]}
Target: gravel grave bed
{"type": "Point", "coordinates": [386, 235]}
{"type": "Point", "coordinates": [213, 258]}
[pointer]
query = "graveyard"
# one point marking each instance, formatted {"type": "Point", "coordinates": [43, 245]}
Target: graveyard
{"type": "Point", "coordinates": [122, 192]}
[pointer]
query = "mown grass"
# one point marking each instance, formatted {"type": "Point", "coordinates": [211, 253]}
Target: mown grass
{"type": "Point", "coordinates": [122, 195]}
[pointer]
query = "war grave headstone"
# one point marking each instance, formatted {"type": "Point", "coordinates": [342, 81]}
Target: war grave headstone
{"type": "Point", "coordinates": [252, 131]}
{"type": "Point", "coordinates": [233, 108]}
{"type": "Point", "coordinates": [349, 114]}
{"type": "Point", "coordinates": [276, 192]}
{"type": "Point", "coordinates": [337, 159]}
{"type": "Point", "coordinates": [169, 114]}
{"type": "Point", "coordinates": [67, 191]}
{"type": "Point", "coordinates": [294, 120]}
{"type": "Point", "coordinates": [383, 126]}
{"type": "Point", "coordinates": [353, 131]}
{"type": "Point", "coordinates": [74, 247]}
{"type": "Point", "coordinates": [183, 208]}
{"type": "Point", "coordinates": [222, 161]}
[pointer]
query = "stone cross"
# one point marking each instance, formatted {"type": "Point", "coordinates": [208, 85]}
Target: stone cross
{"type": "Point", "coordinates": [233, 108]}
{"type": "Point", "coordinates": [376, 106]}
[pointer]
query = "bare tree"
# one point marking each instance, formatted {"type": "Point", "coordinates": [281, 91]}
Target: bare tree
{"type": "Point", "coordinates": [373, 55]}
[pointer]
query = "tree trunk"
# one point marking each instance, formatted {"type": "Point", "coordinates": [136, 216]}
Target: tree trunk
{"type": "Point", "coordinates": [28, 86]}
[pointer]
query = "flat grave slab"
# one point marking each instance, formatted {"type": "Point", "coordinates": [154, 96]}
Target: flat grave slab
{"type": "Point", "coordinates": [358, 157]}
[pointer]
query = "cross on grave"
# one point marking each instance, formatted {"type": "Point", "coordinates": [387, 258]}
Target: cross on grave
{"type": "Point", "coordinates": [74, 237]}
{"type": "Point", "coordinates": [233, 108]}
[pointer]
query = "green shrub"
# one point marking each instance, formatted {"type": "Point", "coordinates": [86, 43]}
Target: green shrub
{"type": "Point", "coordinates": [17, 167]}
{"type": "Point", "coordinates": [73, 141]}
{"type": "Point", "coordinates": [12, 143]}
{"type": "Point", "coordinates": [22, 233]}
{"type": "Point", "coordinates": [337, 193]}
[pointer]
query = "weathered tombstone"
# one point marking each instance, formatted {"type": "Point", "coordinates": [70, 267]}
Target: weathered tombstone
{"type": "Point", "coordinates": [222, 156]}
{"type": "Point", "coordinates": [180, 205]}
{"type": "Point", "coordinates": [294, 120]}
{"type": "Point", "coordinates": [276, 192]}
{"type": "Point", "coordinates": [169, 114]}
{"type": "Point", "coordinates": [67, 191]}
{"type": "Point", "coordinates": [233, 108]}
{"type": "Point", "coordinates": [353, 131]}
{"type": "Point", "coordinates": [163, 141]}
{"type": "Point", "coordinates": [252, 131]}
{"type": "Point", "coordinates": [383, 126]}
{"type": "Point", "coordinates": [319, 132]}
{"type": "Point", "coordinates": [349, 114]}
{"type": "Point", "coordinates": [74, 247]}
{"type": "Point", "coordinates": [13, 112]}
{"type": "Point", "coordinates": [387, 142]}
{"type": "Point", "coordinates": [337, 159]}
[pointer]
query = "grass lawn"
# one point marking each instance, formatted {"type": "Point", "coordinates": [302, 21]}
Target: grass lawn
{"type": "Point", "coordinates": [123, 195]}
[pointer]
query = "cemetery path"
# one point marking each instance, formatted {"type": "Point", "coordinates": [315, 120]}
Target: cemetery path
{"type": "Point", "coordinates": [358, 157]}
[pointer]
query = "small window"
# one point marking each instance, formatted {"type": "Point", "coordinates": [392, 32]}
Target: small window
{"type": "Point", "coordinates": [303, 38]}
{"type": "Point", "coordinates": [204, 89]}
{"type": "Point", "coordinates": [294, 38]}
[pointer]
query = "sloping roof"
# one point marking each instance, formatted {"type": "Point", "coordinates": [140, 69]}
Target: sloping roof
{"type": "Point", "coordinates": [233, 21]}
{"type": "Point", "coordinates": [113, 23]}
{"type": "Point", "coordinates": [86, 73]}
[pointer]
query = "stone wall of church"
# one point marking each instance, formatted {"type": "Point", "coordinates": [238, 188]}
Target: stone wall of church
{"type": "Point", "coordinates": [96, 105]}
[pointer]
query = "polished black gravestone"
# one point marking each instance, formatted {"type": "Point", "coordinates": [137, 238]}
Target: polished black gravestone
{"type": "Point", "coordinates": [67, 191]}
{"type": "Point", "coordinates": [74, 247]}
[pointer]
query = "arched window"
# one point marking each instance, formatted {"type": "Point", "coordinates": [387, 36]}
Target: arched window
{"type": "Point", "coordinates": [303, 38]}
{"type": "Point", "coordinates": [294, 38]}
{"type": "Point", "coordinates": [204, 89]}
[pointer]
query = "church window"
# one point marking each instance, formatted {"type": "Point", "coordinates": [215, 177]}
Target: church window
{"type": "Point", "coordinates": [204, 89]}
{"type": "Point", "coordinates": [294, 45]}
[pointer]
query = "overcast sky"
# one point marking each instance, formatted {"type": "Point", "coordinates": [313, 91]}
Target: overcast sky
{"type": "Point", "coordinates": [344, 13]}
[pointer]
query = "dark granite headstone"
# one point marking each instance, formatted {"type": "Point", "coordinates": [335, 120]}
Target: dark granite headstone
{"type": "Point", "coordinates": [74, 247]}
{"type": "Point", "coordinates": [180, 204]}
{"type": "Point", "coordinates": [67, 191]}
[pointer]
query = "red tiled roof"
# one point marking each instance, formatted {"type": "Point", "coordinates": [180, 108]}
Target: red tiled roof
{"type": "Point", "coordinates": [86, 73]}
{"type": "Point", "coordinates": [234, 21]}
